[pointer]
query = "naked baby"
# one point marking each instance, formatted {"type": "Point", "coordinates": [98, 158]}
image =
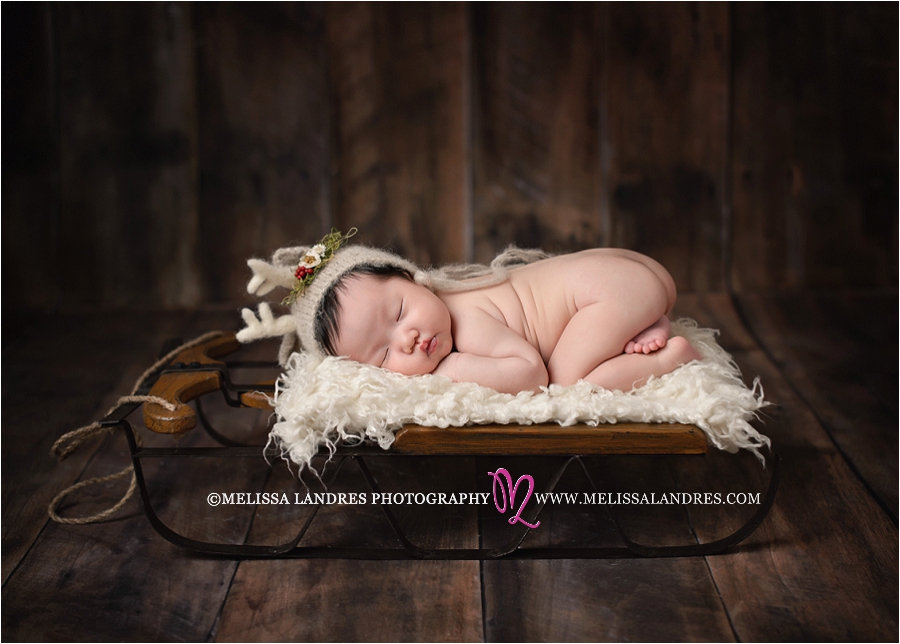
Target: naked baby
{"type": "Point", "coordinates": [527, 321]}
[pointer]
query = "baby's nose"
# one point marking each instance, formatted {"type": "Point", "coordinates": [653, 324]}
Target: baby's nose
{"type": "Point", "coordinates": [410, 339]}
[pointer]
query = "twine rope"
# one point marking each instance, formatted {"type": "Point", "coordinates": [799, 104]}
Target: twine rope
{"type": "Point", "coordinates": [71, 441]}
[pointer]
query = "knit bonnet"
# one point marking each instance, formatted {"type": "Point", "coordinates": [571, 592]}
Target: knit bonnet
{"type": "Point", "coordinates": [310, 271]}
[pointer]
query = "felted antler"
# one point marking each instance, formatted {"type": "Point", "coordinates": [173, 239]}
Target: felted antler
{"type": "Point", "coordinates": [266, 326]}
{"type": "Point", "coordinates": [267, 276]}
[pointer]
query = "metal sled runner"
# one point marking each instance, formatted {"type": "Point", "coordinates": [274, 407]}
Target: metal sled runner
{"type": "Point", "coordinates": [197, 371]}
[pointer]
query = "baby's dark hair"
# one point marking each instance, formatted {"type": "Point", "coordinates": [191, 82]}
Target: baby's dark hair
{"type": "Point", "coordinates": [326, 323]}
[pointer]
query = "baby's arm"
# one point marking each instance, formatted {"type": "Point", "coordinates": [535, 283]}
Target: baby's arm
{"type": "Point", "coordinates": [491, 354]}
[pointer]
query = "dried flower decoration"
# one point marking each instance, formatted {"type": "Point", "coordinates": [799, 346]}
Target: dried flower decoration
{"type": "Point", "coordinates": [314, 259]}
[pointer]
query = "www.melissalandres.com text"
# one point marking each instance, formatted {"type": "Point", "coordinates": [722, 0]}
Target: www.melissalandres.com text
{"type": "Point", "coordinates": [481, 498]}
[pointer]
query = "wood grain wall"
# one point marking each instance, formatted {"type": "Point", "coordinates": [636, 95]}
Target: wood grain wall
{"type": "Point", "coordinates": [148, 149]}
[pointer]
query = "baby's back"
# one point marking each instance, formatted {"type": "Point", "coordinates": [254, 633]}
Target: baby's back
{"type": "Point", "coordinates": [538, 300]}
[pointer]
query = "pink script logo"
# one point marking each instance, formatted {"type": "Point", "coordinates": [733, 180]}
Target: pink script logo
{"type": "Point", "coordinates": [501, 476]}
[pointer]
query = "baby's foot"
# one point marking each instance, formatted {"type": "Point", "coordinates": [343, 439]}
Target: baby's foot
{"type": "Point", "coordinates": [677, 352]}
{"type": "Point", "coordinates": [650, 339]}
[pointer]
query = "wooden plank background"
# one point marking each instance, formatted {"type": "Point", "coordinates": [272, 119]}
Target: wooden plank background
{"type": "Point", "coordinates": [150, 149]}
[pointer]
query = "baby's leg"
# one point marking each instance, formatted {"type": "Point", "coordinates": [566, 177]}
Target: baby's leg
{"type": "Point", "coordinates": [651, 339]}
{"type": "Point", "coordinates": [609, 316]}
{"type": "Point", "coordinates": [655, 336]}
{"type": "Point", "coordinates": [633, 370]}
{"type": "Point", "coordinates": [595, 334]}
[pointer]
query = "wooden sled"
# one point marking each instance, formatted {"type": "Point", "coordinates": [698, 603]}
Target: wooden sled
{"type": "Point", "coordinates": [198, 371]}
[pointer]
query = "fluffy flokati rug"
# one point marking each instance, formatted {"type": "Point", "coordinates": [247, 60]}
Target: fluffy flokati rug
{"type": "Point", "coordinates": [322, 401]}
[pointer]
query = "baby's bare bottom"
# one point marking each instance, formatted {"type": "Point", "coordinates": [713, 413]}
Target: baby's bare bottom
{"type": "Point", "coordinates": [593, 343]}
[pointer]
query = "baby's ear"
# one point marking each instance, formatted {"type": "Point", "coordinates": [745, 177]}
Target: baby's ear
{"type": "Point", "coordinates": [266, 277]}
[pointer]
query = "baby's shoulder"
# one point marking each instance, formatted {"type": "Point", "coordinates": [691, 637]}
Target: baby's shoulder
{"type": "Point", "coordinates": [491, 301]}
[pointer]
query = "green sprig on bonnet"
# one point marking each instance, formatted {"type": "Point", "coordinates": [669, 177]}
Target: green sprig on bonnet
{"type": "Point", "coordinates": [317, 256]}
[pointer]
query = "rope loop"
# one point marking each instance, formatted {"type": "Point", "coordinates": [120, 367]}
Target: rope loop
{"type": "Point", "coordinates": [70, 442]}
{"type": "Point", "coordinates": [54, 504]}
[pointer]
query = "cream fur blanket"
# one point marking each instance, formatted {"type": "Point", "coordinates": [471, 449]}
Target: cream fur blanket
{"type": "Point", "coordinates": [322, 401]}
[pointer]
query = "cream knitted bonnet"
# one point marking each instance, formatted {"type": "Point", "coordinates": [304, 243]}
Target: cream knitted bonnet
{"type": "Point", "coordinates": [310, 271]}
{"type": "Point", "coordinates": [321, 266]}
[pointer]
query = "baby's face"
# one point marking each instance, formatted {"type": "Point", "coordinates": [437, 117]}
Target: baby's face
{"type": "Point", "coordinates": [395, 324]}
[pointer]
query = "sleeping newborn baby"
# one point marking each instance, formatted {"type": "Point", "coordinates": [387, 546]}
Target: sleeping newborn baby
{"type": "Point", "coordinates": [526, 321]}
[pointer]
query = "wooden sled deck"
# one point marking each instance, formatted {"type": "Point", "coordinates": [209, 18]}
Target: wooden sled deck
{"type": "Point", "coordinates": [823, 564]}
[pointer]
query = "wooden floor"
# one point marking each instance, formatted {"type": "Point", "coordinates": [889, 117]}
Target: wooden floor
{"type": "Point", "coordinates": [822, 567]}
